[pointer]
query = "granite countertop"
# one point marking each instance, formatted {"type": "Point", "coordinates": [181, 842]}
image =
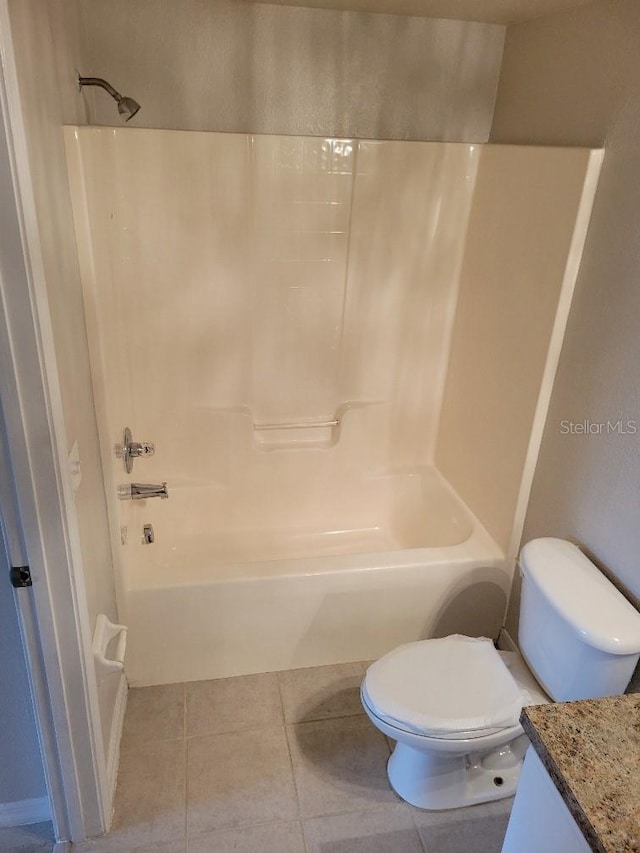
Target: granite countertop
{"type": "Point", "coordinates": [591, 750]}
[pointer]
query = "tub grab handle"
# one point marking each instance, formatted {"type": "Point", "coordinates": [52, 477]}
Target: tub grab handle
{"type": "Point", "coordinates": [105, 632]}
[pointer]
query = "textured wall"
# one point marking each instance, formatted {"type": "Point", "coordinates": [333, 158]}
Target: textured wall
{"type": "Point", "coordinates": [226, 65]}
{"type": "Point", "coordinates": [571, 78]}
{"type": "Point", "coordinates": [574, 78]}
{"type": "Point", "coordinates": [46, 42]}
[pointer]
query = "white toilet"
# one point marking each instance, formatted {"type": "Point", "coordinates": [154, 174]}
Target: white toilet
{"type": "Point", "coordinates": [453, 704]}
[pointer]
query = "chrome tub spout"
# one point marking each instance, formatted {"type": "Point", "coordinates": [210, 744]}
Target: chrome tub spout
{"type": "Point", "coordinates": [142, 491]}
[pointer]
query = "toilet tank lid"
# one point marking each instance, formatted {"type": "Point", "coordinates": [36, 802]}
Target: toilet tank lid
{"type": "Point", "coordinates": [582, 595]}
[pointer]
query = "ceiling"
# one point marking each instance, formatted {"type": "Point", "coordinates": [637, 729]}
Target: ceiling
{"type": "Point", "coordinates": [488, 11]}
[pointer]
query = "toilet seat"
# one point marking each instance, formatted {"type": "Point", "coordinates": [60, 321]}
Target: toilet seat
{"type": "Point", "coordinates": [454, 687]}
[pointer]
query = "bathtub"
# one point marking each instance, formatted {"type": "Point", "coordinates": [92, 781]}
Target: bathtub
{"type": "Point", "coordinates": [402, 560]}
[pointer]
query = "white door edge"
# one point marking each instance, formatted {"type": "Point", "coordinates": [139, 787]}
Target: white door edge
{"type": "Point", "coordinates": [53, 612]}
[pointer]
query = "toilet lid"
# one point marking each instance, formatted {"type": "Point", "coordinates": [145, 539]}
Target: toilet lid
{"type": "Point", "coordinates": [440, 687]}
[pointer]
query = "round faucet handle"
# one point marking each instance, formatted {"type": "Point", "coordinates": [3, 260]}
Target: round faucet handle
{"type": "Point", "coordinates": [128, 450]}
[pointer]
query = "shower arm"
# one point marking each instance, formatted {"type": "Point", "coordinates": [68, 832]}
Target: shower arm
{"type": "Point", "coordinates": [127, 107]}
{"type": "Point", "coordinates": [98, 81]}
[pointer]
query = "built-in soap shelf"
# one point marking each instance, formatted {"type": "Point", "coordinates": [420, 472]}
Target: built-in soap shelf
{"type": "Point", "coordinates": [289, 434]}
{"type": "Point", "coordinates": [312, 433]}
{"type": "Point", "coordinates": [108, 659]}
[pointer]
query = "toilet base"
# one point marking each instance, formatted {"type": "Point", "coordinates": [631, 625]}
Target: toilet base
{"type": "Point", "coordinates": [435, 781]}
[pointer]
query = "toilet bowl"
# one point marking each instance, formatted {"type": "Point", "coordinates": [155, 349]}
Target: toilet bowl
{"type": "Point", "coordinates": [452, 707]}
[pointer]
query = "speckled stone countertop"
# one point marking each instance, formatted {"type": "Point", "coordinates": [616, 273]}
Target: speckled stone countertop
{"type": "Point", "coordinates": [591, 750]}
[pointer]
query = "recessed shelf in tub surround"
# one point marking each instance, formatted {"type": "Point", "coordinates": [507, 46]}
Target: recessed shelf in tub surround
{"type": "Point", "coordinates": [591, 750]}
{"type": "Point", "coordinates": [311, 432]}
{"type": "Point", "coordinates": [291, 436]}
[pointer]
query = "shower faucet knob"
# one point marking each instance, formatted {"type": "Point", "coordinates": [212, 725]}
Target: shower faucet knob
{"type": "Point", "coordinates": [129, 449]}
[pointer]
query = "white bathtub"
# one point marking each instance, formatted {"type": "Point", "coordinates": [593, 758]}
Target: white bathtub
{"type": "Point", "coordinates": [325, 328]}
{"type": "Point", "coordinates": [210, 600]}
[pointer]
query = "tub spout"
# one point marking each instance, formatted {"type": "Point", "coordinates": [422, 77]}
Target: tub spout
{"type": "Point", "coordinates": [142, 491]}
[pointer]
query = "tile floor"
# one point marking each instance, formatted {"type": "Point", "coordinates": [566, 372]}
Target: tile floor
{"type": "Point", "coordinates": [273, 763]}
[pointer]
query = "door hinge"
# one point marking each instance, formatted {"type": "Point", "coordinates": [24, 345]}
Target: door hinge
{"type": "Point", "coordinates": [20, 576]}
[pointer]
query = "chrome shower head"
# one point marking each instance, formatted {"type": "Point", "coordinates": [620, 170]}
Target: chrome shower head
{"type": "Point", "coordinates": [127, 107]}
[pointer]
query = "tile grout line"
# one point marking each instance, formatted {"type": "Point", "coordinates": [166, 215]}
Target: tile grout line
{"type": "Point", "coordinates": [412, 812]}
{"type": "Point", "coordinates": [246, 826]}
{"type": "Point", "coordinates": [301, 820]}
{"type": "Point", "coordinates": [327, 719]}
{"type": "Point", "coordinates": [255, 727]}
{"type": "Point", "coordinates": [293, 774]}
{"type": "Point", "coordinates": [303, 834]}
{"type": "Point", "coordinates": [290, 756]}
{"type": "Point", "coordinates": [136, 741]}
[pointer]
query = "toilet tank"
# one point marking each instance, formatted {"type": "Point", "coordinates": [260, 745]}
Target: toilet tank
{"type": "Point", "coordinates": [578, 633]}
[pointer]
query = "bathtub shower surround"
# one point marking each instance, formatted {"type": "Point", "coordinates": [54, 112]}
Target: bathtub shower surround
{"type": "Point", "coordinates": [322, 337]}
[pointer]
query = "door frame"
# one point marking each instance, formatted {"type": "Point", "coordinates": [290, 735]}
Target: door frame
{"type": "Point", "coordinates": [36, 501]}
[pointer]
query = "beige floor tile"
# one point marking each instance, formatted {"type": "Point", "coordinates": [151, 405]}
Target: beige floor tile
{"type": "Point", "coordinates": [150, 804]}
{"type": "Point", "coordinates": [475, 829]}
{"type": "Point", "coordinates": [321, 692]}
{"type": "Point", "coordinates": [239, 778]}
{"type": "Point", "coordinates": [388, 830]}
{"type": "Point", "coordinates": [267, 838]}
{"type": "Point", "coordinates": [233, 704]}
{"type": "Point", "coordinates": [155, 713]}
{"type": "Point", "coordinates": [339, 766]}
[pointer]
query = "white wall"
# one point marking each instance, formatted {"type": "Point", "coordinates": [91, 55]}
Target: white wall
{"type": "Point", "coordinates": [526, 229]}
{"type": "Point", "coordinates": [47, 47]}
{"type": "Point", "coordinates": [573, 78]}
{"type": "Point", "coordinates": [226, 65]}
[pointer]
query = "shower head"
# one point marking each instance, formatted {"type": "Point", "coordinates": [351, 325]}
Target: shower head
{"type": "Point", "coordinates": [127, 107]}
